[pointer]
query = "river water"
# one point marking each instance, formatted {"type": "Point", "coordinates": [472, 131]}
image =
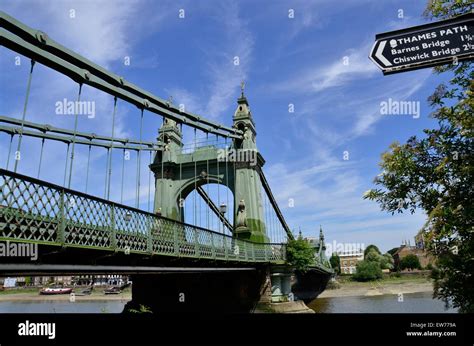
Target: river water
{"type": "Point", "coordinates": [54, 306]}
{"type": "Point", "coordinates": [412, 303]}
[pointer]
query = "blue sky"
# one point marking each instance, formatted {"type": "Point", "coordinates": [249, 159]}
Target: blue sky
{"type": "Point", "coordinates": [317, 61]}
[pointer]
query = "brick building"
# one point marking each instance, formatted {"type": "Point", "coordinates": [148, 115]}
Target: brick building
{"type": "Point", "coordinates": [349, 260]}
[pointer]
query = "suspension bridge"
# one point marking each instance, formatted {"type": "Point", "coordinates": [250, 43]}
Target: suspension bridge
{"type": "Point", "coordinates": [211, 222]}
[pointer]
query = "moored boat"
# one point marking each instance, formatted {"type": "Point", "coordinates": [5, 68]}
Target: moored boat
{"type": "Point", "coordinates": [55, 290]}
{"type": "Point", "coordinates": [112, 290]}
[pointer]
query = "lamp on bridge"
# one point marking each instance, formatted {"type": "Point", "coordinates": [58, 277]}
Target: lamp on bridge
{"type": "Point", "coordinates": [222, 210]}
{"type": "Point", "coordinates": [127, 217]}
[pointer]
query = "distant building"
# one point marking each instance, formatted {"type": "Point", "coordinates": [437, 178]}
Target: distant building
{"type": "Point", "coordinates": [55, 280]}
{"type": "Point", "coordinates": [418, 250]}
{"type": "Point", "coordinates": [96, 280]}
{"type": "Point", "coordinates": [349, 260]}
{"type": "Point", "coordinates": [21, 281]}
{"type": "Point", "coordinates": [101, 280]}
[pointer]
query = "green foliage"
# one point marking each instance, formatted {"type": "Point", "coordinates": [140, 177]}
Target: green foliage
{"type": "Point", "coordinates": [435, 173]}
{"type": "Point", "coordinates": [442, 9]}
{"type": "Point", "coordinates": [300, 254]}
{"type": "Point", "coordinates": [387, 262]}
{"type": "Point", "coordinates": [143, 309]}
{"type": "Point", "coordinates": [335, 263]}
{"type": "Point", "coordinates": [371, 248]}
{"type": "Point", "coordinates": [372, 254]}
{"type": "Point", "coordinates": [410, 262]}
{"type": "Point", "coordinates": [367, 271]}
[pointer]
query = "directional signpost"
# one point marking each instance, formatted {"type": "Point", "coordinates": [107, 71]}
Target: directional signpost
{"type": "Point", "coordinates": [447, 41]}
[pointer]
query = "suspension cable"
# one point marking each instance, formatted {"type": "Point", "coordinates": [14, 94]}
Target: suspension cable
{"type": "Point", "coordinates": [106, 169]}
{"type": "Point", "coordinates": [138, 162]}
{"type": "Point", "coordinates": [235, 194]}
{"type": "Point", "coordinates": [149, 183]}
{"type": "Point", "coordinates": [25, 105]}
{"type": "Point", "coordinates": [162, 180]}
{"type": "Point", "coordinates": [88, 163]}
{"type": "Point", "coordinates": [65, 166]}
{"type": "Point", "coordinates": [74, 135]}
{"type": "Point", "coordinates": [9, 149]}
{"type": "Point", "coordinates": [226, 174]}
{"type": "Point", "coordinates": [218, 191]}
{"type": "Point", "coordinates": [123, 174]}
{"type": "Point", "coordinates": [41, 159]}
{"type": "Point", "coordinates": [195, 179]}
{"type": "Point", "coordinates": [265, 212]}
{"type": "Point", "coordinates": [207, 185]}
{"type": "Point", "coordinates": [275, 224]}
{"type": "Point", "coordinates": [181, 204]}
{"type": "Point", "coordinates": [111, 144]}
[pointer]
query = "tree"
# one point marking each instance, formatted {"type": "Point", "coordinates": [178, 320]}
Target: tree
{"type": "Point", "coordinates": [386, 261]}
{"type": "Point", "coordinates": [435, 173]}
{"type": "Point", "coordinates": [371, 248]}
{"type": "Point", "coordinates": [367, 271]}
{"type": "Point", "coordinates": [335, 261]}
{"type": "Point", "coordinates": [300, 254]}
{"type": "Point", "coordinates": [410, 261]}
{"type": "Point", "coordinates": [373, 254]}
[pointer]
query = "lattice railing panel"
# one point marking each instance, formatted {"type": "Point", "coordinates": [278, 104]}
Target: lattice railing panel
{"type": "Point", "coordinates": [34, 210]}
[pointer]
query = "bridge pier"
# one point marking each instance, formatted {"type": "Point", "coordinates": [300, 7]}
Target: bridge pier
{"type": "Point", "coordinates": [277, 295]}
{"type": "Point", "coordinates": [281, 285]}
{"type": "Point", "coordinates": [201, 293]}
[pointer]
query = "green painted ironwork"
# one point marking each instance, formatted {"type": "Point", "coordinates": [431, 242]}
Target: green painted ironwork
{"type": "Point", "coordinates": [46, 131]}
{"type": "Point", "coordinates": [39, 47]}
{"type": "Point", "coordinates": [32, 210]}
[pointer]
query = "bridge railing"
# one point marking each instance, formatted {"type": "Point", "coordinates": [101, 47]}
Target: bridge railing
{"type": "Point", "coordinates": [32, 210]}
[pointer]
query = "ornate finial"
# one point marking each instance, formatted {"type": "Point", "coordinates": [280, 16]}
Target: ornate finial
{"type": "Point", "coordinates": [242, 87]}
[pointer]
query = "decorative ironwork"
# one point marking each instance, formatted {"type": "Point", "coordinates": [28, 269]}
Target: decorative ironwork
{"type": "Point", "coordinates": [37, 211]}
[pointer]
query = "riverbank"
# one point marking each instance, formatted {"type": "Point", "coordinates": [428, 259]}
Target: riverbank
{"type": "Point", "coordinates": [389, 285]}
{"type": "Point", "coordinates": [33, 295]}
{"type": "Point", "coordinates": [348, 288]}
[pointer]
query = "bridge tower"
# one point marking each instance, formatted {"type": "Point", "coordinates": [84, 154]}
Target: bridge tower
{"type": "Point", "coordinates": [177, 173]}
{"type": "Point", "coordinates": [248, 186]}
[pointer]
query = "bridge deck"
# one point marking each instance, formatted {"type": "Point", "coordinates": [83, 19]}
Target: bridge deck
{"type": "Point", "coordinates": [32, 210]}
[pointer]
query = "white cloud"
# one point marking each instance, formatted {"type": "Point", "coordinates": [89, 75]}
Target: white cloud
{"type": "Point", "coordinates": [367, 118]}
{"type": "Point", "coordinates": [330, 193]}
{"type": "Point", "coordinates": [315, 79]}
{"type": "Point", "coordinates": [102, 31]}
{"type": "Point", "coordinates": [223, 76]}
